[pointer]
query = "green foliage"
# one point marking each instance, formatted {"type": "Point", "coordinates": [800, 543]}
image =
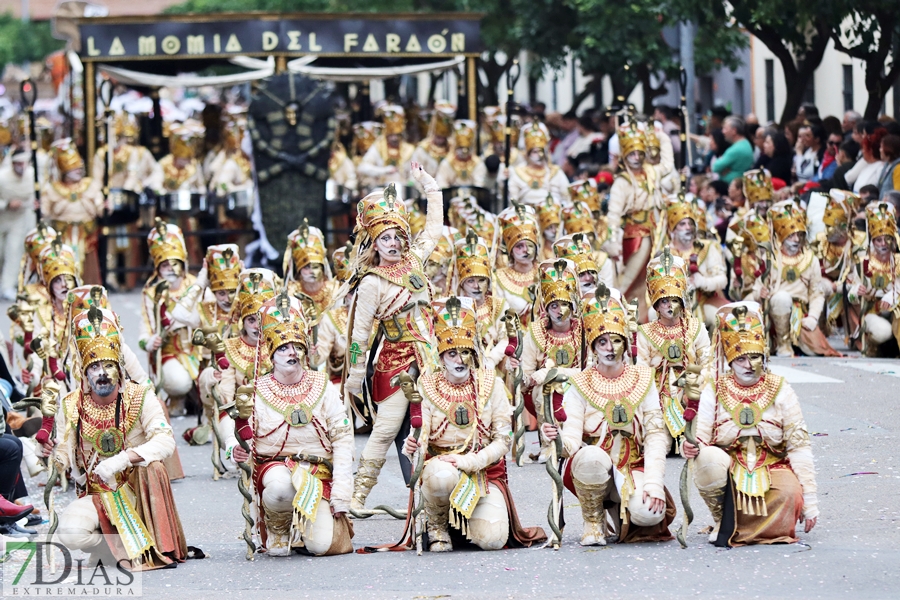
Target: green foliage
{"type": "Point", "coordinates": [25, 41]}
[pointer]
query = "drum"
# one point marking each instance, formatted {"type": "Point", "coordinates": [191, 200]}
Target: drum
{"type": "Point", "coordinates": [124, 207]}
{"type": "Point", "coordinates": [182, 202]}
{"type": "Point", "coordinates": [239, 204]}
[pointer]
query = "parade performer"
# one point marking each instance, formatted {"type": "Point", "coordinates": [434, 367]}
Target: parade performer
{"type": "Point", "coordinates": [578, 218]}
{"type": "Point", "coordinates": [703, 260]}
{"type": "Point", "coordinates": [473, 273]}
{"type": "Point", "coordinates": [133, 167]}
{"type": "Point", "coordinates": [388, 158]}
{"type": "Point", "coordinates": [331, 347]}
{"type": "Point", "coordinates": [793, 287]}
{"type": "Point", "coordinates": [393, 295]}
{"type": "Point", "coordinates": [463, 167]}
{"type": "Point", "coordinates": [166, 333]}
{"type": "Point", "coordinates": [614, 437]}
{"type": "Point", "coordinates": [73, 202]}
{"type": "Point", "coordinates": [232, 169]}
{"type": "Point", "coordinates": [520, 234]}
{"type": "Point", "coordinates": [364, 136]}
{"type": "Point", "coordinates": [181, 169]}
{"type": "Point", "coordinates": [17, 216]}
{"type": "Point", "coordinates": [634, 200]}
{"type": "Point", "coordinates": [577, 248]}
{"type": "Point", "coordinates": [875, 290]}
{"type": "Point", "coordinates": [465, 436]}
{"type": "Point", "coordinates": [834, 248]}
{"type": "Point", "coordinates": [531, 181]}
{"type": "Point", "coordinates": [661, 157]}
{"type": "Point", "coordinates": [675, 340]}
{"type": "Point", "coordinates": [549, 220]}
{"type": "Point", "coordinates": [585, 190]}
{"type": "Point", "coordinates": [301, 441]}
{"type": "Point", "coordinates": [751, 252]}
{"type": "Point", "coordinates": [306, 269]}
{"type": "Point", "coordinates": [435, 148]}
{"type": "Point", "coordinates": [439, 266]}
{"type": "Point", "coordinates": [341, 168]}
{"type": "Point", "coordinates": [753, 460]}
{"type": "Point", "coordinates": [113, 437]}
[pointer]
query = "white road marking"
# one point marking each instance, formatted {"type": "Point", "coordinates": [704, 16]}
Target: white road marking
{"type": "Point", "coordinates": [797, 376]}
{"type": "Point", "coordinates": [882, 367]}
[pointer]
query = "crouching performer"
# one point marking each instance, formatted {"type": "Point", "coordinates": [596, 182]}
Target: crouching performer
{"type": "Point", "coordinates": [614, 437]}
{"type": "Point", "coordinates": [301, 441]}
{"type": "Point", "coordinates": [113, 439]}
{"type": "Point", "coordinates": [465, 436]}
{"type": "Point", "coordinates": [754, 464]}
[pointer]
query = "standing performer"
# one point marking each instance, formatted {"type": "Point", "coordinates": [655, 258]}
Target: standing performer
{"type": "Point", "coordinates": [613, 435]}
{"type": "Point", "coordinates": [473, 273]}
{"type": "Point", "coordinates": [577, 248]}
{"type": "Point", "coordinates": [17, 216]}
{"type": "Point", "coordinates": [306, 269]}
{"type": "Point", "coordinates": [113, 438]}
{"type": "Point", "coordinates": [232, 169]}
{"type": "Point", "coordinates": [634, 200]}
{"type": "Point", "coordinates": [301, 440]}
{"type": "Point", "coordinates": [435, 148]}
{"type": "Point", "coordinates": [532, 181]}
{"type": "Point", "coordinates": [133, 167]}
{"type": "Point", "coordinates": [674, 341]}
{"type": "Point", "coordinates": [519, 231]}
{"type": "Point", "coordinates": [578, 219]}
{"type": "Point", "coordinates": [73, 202]}
{"type": "Point", "coordinates": [388, 158]}
{"type": "Point", "coordinates": [393, 294]}
{"type": "Point", "coordinates": [549, 220]}
{"type": "Point", "coordinates": [464, 167]}
{"type": "Point", "coordinates": [754, 465]}
{"type": "Point", "coordinates": [331, 347]}
{"type": "Point", "coordinates": [364, 136]}
{"type": "Point", "coordinates": [465, 436]}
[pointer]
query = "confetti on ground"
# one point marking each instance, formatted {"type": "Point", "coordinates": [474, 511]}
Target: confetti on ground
{"type": "Point", "coordinates": [860, 473]}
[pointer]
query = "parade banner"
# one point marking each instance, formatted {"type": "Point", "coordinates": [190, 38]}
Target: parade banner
{"type": "Point", "coordinates": [114, 40]}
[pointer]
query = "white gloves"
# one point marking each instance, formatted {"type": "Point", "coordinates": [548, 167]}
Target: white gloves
{"type": "Point", "coordinates": [809, 323]}
{"type": "Point", "coordinates": [426, 180]}
{"type": "Point", "coordinates": [107, 469]}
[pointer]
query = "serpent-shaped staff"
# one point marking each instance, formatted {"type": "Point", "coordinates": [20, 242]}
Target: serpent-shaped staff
{"type": "Point", "coordinates": [553, 465]}
{"type": "Point", "coordinates": [209, 338]}
{"type": "Point", "coordinates": [160, 296]}
{"type": "Point", "coordinates": [690, 382]}
{"type": "Point", "coordinates": [407, 384]}
{"type": "Point", "coordinates": [514, 350]}
{"type": "Point", "coordinates": [241, 412]}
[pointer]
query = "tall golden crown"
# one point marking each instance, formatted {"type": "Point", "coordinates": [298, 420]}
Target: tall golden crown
{"type": "Point", "coordinates": [182, 141]}
{"type": "Point", "coordinates": [472, 257]}
{"type": "Point", "coordinates": [66, 156]}
{"type": "Point", "coordinates": [754, 229]}
{"type": "Point", "coordinates": [586, 191]}
{"type": "Point", "coordinates": [223, 264]}
{"type": "Point", "coordinates": [679, 209]}
{"type": "Point", "coordinates": [58, 259]}
{"type": "Point", "coordinates": [535, 136]}
{"type": "Point", "coordinates": [283, 323]}
{"type": "Point", "coordinates": [166, 242]}
{"type": "Point", "coordinates": [464, 133]}
{"type": "Point", "coordinates": [341, 259]}
{"type": "Point", "coordinates": [667, 277]}
{"type": "Point", "coordinates": [787, 218]}
{"type": "Point", "coordinates": [442, 119]}
{"type": "Point", "coordinates": [97, 336]}
{"type": "Point", "coordinates": [548, 212]}
{"type": "Point", "coordinates": [497, 128]}
{"type": "Point", "coordinates": [394, 119]}
{"type": "Point", "coordinates": [631, 138]}
{"type": "Point", "coordinates": [37, 239]}
{"type": "Point", "coordinates": [758, 186]}
{"type": "Point", "coordinates": [83, 297]}
{"type": "Point", "coordinates": [255, 288]}
{"type": "Point", "coordinates": [652, 141]}
{"type": "Point", "coordinates": [604, 313]}
{"type": "Point", "coordinates": [443, 250]}
{"type": "Point", "coordinates": [881, 219]}
{"type": "Point", "coordinates": [364, 135]}
{"type": "Point", "coordinates": [518, 223]}
{"type": "Point", "coordinates": [578, 218]}
{"type": "Point", "coordinates": [306, 246]}
{"type": "Point", "coordinates": [125, 126]}
{"type": "Point", "coordinates": [559, 282]}
{"type": "Point", "coordinates": [382, 210]}
{"type": "Point", "coordinates": [576, 248]}
{"type": "Point", "coordinates": [839, 208]}
{"type": "Point", "coordinates": [741, 329]}
{"type": "Point", "coordinates": [455, 324]}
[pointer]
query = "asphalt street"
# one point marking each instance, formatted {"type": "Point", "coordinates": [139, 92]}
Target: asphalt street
{"type": "Point", "coordinates": [851, 408]}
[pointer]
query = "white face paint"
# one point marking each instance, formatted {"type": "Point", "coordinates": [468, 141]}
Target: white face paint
{"type": "Point", "coordinates": [635, 159]}
{"type": "Point", "coordinates": [475, 287]}
{"type": "Point", "coordinates": [610, 348]}
{"type": "Point", "coordinates": [389, 246]}
{"type": "Point", "coordinates": [524, 252]}
{"type": "Point", "coordinates": [588, 282]}
{"type": "Point", "coordinates": [550, 233]}
{"type": "Point", "coordinates": [287, 358]}
{"type": "Point", "coordinates": [883, 247]}
{"type": "Point", "coordinates": [171, 271]}
{"type": "Point", "coordinates": [103, 377]}
{"type": "Point", "coordinates": [312, 273]}
{"type": "Point", "coordinates": [792, 244]}
{"type": "Point", "coordinates": [225, 298]}
{"type": "Point", "coordinates": [560, 314]}
{"type": "Point", "coordinates": [536, 157]}
{"type": "Point", "coordinates": [747, 369]}
{"type": "Point", "coordinates": [60, 287]}
{"type": "Point", "coordinates": [685, 231]}
{"type": "Point", "coordinates": [668, 309]}
{"type": "Point", "coordinates": [250, 330]}
{"type": "Point", "coordinates": [456, 365]}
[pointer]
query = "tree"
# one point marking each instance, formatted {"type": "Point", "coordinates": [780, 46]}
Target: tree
{"type": "Point", "coordinates": [22, 41]}
{"type": "Point", "coordinates": [870, 31]}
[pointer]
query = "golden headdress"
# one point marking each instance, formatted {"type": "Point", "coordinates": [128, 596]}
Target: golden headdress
{"type": "Point", "coordinates": [183, 138]}
{"type": "Point", "coordinates": [166, 242]}
{"type": "Point", "coordinates": [535, 136]}
{"type": "Point", "coordinates": [443, 250]}
{"type": "Point", "coordinates": [518, 223]}
{"type": "Point", "coordinates": [548, 212]}
{"type": "Point", "coordinates": [559, 282]}
{"type": "Point", "coordinates": [382, 210]}
{"type": "Point", "coordinates": [83, 297]}
{"type": "Point", "coordinates": [667, 277]}
{"type": "Point", "coordinates": [577, 249]}
{"type": "Point", "coordinates": [223, 264]}
{"type": "Point", "coordinates": [37, 239]}
{"type": "Point", "coordinates": [839, 208]}
{"type": "Point", "coordinates": [455, 324]}
{"type": "Point", "coordinates": [282, 323]}
{"type": "Point", "coordinates": [741, 329]}
{"type": "Point", "coordinates": [97, 336]}
{"type": "Point", "coordinates": [485, 225]}
{"type": "Point", "coordinates": [364, 135]}
{"type": "Point", "coordinates": [66, 156]}
{"type": "Point", "coordinates": [394, 119]}
{"type": "Point", "coordinates": [57, 259]}
{"type": "Point", "coordinates": [586, 191]}
{"type": "Point", "coordinates": [652, 140]}
{"type": "Point", "coordinates": [754, 229]}
{"type": "Point", "coordinates": [497, 128]}
{"type": "Point", "coordinates": [758, 186]}
{"type": "Point", "coordinates": [125, 126]}
{"type": "Point", "coordinates": [679, 209]}
{"type": "Point", "coordinates": [631, 138]}
{"type": "Point", "coordinates": [256, 287]}
{"type": "Point", "coordinates": [604, 313]}
{"type": "Point", "coordinates": [464, 133]}
{"type": "Point", "coordinates": [341, 259]}
{"type": "Point", "coordinates": [787, 218]}
{"type": "Point", "coordinates": [305, 246]}
{"type": "Point", "coordinates": [472, 257]}
{"type": "Point", "coordinates": [578, 218]}
{"type": "Point", "coordinates": [442, 119]}
{"type": "Point", "coordinates": [881, 219]}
